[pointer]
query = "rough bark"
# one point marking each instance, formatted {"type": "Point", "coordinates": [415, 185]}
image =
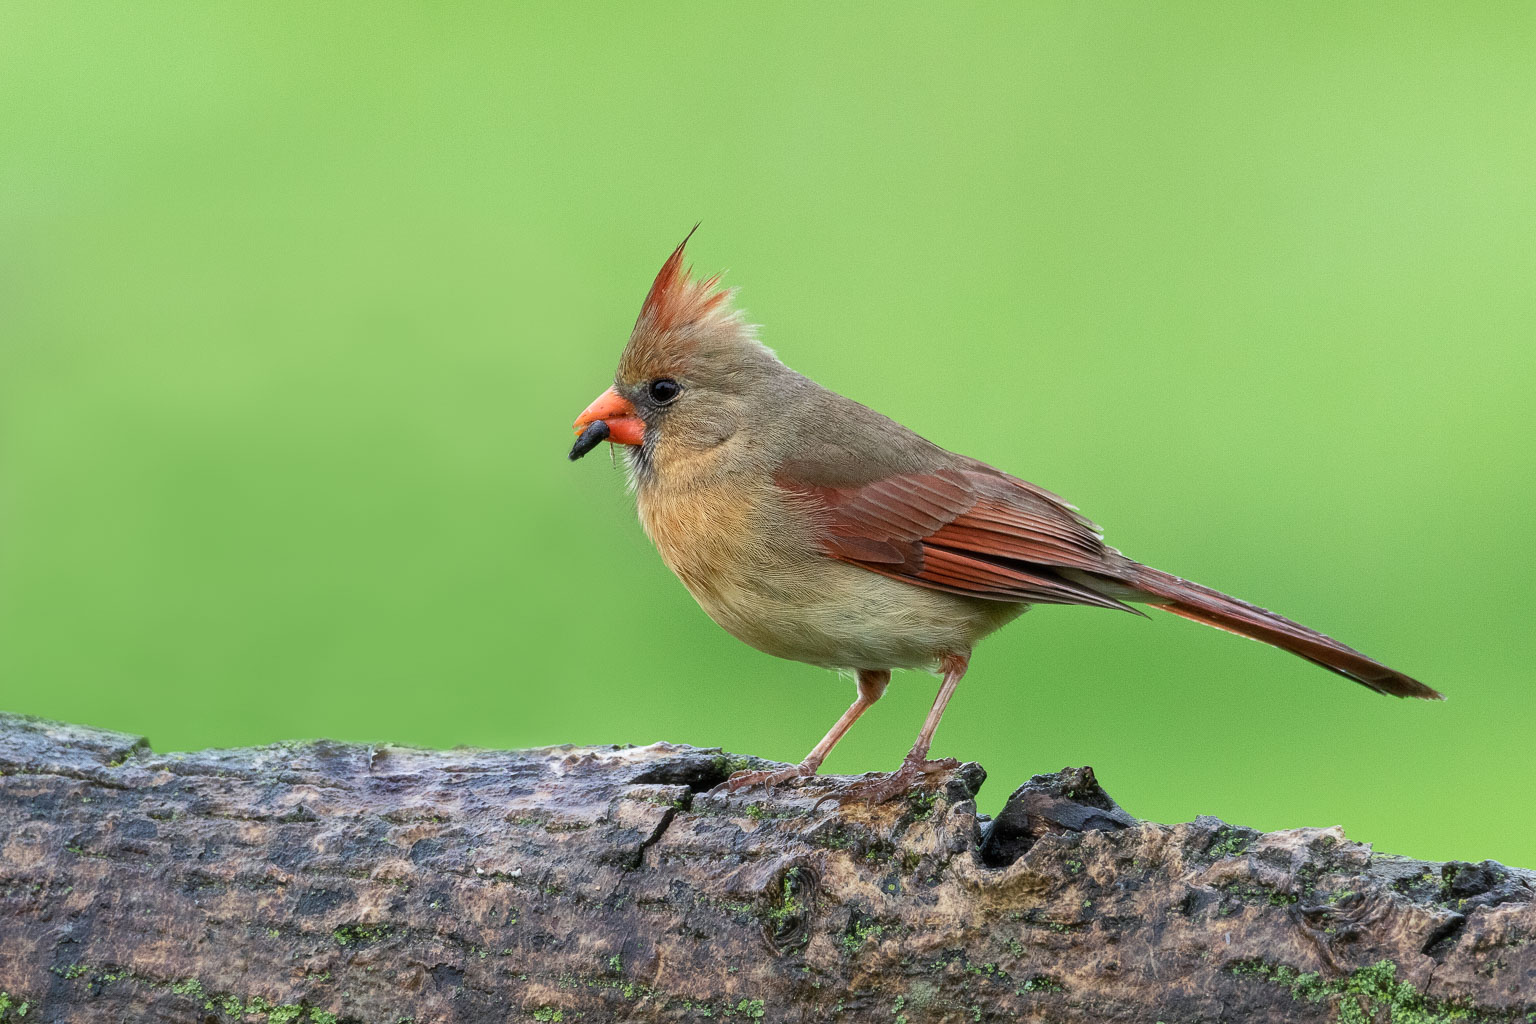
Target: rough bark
{"type": "Point", "coordinates": [323, 882]}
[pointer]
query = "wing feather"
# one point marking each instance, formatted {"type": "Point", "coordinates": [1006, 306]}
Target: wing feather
{"type": "Point", "coordinates": [967, 530]}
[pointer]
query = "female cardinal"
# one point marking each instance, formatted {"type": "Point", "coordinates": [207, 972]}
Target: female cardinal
{"type": "Point", "coordinates": [816, 529]}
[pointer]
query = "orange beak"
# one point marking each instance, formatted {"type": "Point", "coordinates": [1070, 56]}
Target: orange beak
{"type": "Point", "coordinates": [624, 427]}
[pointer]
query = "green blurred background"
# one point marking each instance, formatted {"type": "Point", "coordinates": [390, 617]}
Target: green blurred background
{"type": "Point", "coordinates": [298, 301]}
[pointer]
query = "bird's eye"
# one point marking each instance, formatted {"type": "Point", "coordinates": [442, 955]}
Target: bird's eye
{"type": "Point", "coordinates": [663, 390]}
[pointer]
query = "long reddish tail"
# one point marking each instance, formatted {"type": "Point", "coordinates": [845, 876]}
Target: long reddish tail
{"type": "Point", "coordinates": [1202, 604]}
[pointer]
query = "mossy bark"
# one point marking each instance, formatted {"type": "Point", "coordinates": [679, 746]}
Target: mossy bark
{"type": "Point", "coordinates": [317, 883]}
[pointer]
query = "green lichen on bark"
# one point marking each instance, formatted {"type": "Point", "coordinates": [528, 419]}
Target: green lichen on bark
{"type": "Point", "coordinates": [1371, 995]}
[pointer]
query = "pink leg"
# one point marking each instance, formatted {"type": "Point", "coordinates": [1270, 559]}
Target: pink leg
{"type": "Point", "coordinates": [916, 765]}
{"type": "Point", "coordinates": [872, 684]}
{"type": "Point", "coordinates": [954, 666]}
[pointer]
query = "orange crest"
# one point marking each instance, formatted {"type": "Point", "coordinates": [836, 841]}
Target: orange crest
{"type": "Point", "coordinates": [675, 299]}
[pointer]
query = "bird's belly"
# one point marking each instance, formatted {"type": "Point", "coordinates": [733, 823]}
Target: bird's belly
{"type": "Point", "coordinates": [765, 583]}
{"type": "Point", "coordinates": [841, 616]}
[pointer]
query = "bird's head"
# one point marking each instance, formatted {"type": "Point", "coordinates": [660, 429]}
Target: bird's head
{"type": "Point", "coordinates": [686, 379]}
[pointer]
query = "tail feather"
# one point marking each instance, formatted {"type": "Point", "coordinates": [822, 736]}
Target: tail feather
{"type": "Point", "coordinates": [1212, 607]}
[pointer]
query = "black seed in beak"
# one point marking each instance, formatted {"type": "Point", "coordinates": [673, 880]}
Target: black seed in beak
{"type": "Point", "coordinates": [595, 434]}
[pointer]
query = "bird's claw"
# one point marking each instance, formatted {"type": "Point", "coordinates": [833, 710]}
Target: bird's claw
{"type": "Point", "coordinates": [767, 777]}
{"type": "Point", "coordinates": [880, 788]}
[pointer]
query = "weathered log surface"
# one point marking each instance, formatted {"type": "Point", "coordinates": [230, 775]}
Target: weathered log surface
{"type": "Point", "coordinates": [321, 882]}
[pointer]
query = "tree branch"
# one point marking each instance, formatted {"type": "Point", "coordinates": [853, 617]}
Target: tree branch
{"type": "Point", "coordinates": [318, 883]}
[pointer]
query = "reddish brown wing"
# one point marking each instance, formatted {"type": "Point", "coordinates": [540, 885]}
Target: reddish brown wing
{"type": "Point", "coordinates": [971, 531]}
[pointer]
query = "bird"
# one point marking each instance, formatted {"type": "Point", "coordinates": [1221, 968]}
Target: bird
{"type": "Point", "coordinates": [815, 529]}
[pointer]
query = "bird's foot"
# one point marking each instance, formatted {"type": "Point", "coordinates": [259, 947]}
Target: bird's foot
{"type": "Point", "coordinates": [768, 777]}
{"type": "Point", "coordinates": [880, 788]}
